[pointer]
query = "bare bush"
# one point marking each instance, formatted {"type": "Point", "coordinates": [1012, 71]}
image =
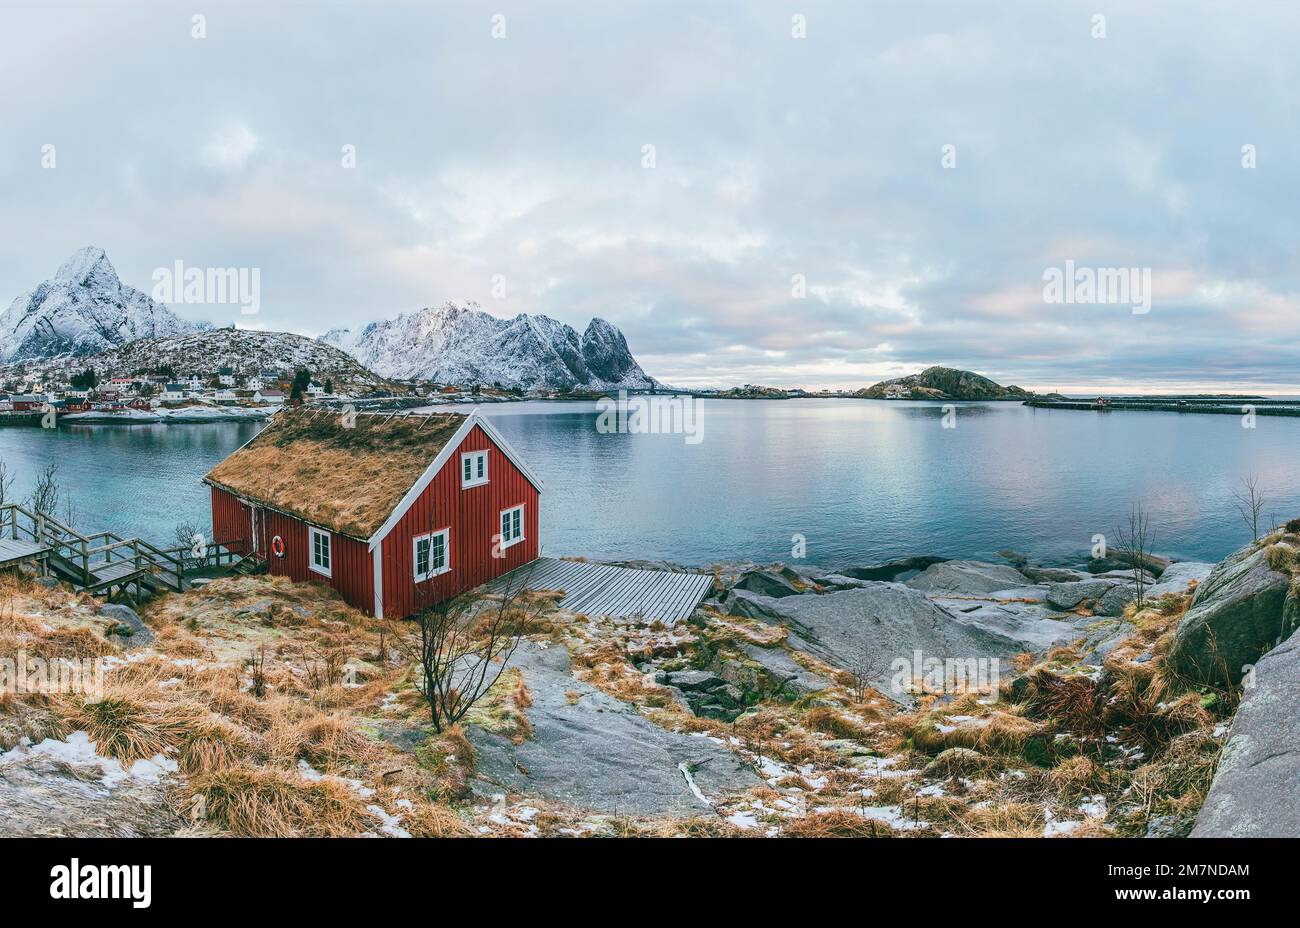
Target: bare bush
{"type": "Point", "coordinates": [462, 646]}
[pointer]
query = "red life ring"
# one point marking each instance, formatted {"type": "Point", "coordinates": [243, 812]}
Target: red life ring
{"type": "Point", "coordinates": [277, 546]}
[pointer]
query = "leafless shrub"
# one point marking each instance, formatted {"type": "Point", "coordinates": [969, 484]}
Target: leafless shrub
{"type": "Point", "coordinates": [462, 646]}
{"type": "Point", "coordinates": [1249, 501]}
{"type": "Point", "coordinates": [45, 495]}
{"type": "Point", "coordinates": [1136, 539]}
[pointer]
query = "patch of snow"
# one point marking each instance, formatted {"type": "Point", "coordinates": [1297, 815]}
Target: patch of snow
{"type": "Point", "coordinates": [392, 824]}
{"type": "Point", "coordinates": [1094, 807]}
{"type": "Point", "coordinates": [690, 782]}
{"type": "Point", "coordinates": [79, 751]}
{"type": "Point", "coordinates": [743, 820]}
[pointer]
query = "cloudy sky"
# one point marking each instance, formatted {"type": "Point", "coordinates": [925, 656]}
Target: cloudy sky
{"type": "Point", "coordinates": [776, 160]}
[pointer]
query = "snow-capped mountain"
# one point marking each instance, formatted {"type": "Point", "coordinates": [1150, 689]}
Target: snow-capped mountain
{"type": "Point", "coordinates": [83, 310]}
{"type": "Point", "coordinates": [464, 345]}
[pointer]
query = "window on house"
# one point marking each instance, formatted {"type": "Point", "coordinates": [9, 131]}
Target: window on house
{"type": "Point", "coordinates": [512, 526]}
{"type": "Point", "coordinates": [473, 468]}
{"type": "Point", "coordinates": [432, 555]}
{"type": "Point", "coordinates": [320, 551]}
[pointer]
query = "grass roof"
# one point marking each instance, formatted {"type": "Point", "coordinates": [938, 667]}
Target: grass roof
{"type": "Point", "coordinates": [348, 479]}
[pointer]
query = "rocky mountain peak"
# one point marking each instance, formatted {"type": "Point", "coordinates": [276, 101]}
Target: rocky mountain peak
{"type": "Point", "coordinates": [84, 309]}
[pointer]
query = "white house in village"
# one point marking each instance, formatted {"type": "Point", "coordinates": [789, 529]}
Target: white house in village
{"type": "Point", "coordinates": [173, 393]}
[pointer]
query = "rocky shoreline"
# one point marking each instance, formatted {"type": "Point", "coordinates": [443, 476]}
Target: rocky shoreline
{"type": "Point", "coordinates": [794, 701]}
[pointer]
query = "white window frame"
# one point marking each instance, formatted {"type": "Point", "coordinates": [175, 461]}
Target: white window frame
{"type": "Point", "coordinates": [446, 554]}
{"type": "Point", "coordinates": [474, 456]}
{"type": "Point", "coordinates": [523, 522]}
{"type": "Point", "coordinates": [312, 533]}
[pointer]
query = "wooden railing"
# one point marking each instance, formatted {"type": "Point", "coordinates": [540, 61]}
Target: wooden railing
{"type": "Point", "coordinates": [83, 554]}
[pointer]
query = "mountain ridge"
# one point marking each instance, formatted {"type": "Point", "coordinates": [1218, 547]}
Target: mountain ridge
{"type": "Point", "coordinates": [464, 345]}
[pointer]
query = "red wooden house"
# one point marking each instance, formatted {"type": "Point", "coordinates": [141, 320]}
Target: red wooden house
{"type": "Point", "coordinates": [393, 511]}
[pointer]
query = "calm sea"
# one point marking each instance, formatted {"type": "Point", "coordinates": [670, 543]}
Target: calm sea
{"type": "Point", "coordinates": [857, 480]}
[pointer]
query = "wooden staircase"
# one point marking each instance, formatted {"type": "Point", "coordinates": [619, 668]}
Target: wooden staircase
{"type": "Point", "coordinates": [104, 563]}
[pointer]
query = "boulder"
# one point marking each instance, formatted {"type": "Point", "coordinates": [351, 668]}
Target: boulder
{"type": "Point", "coordinates": [891, 570]}
{"type": "Point", "coordinates": [1079, 592]}
{"type": "Point", "coordinates": [966, 577]}
{"type": "Point", "coordinates": [1256, 789]}
{"type": "Point", "coordinates": [589, 750]}
{"type": "Point", "coordinates": [690, 680]}
{"type": "Point", "coordinates": [130, 627]}
{"type": "Point", "coordinates": [767, 583]}
{"type": "Point", "coordinates": [1238, 612]}
{"type": "Point", "coordinates": [871, 627]}
{"type": "Point", "coordinates": [753, 606]}
{"type": "Point", "coordinates": [1114, 600]}
{"type": "Point", "coordinates": [1177, 576]}
{"type": "Point", "coordinates": [785, 676]}
{"type": "Point", "coordinates": [1032, 625]}
{"type": "Point", "coordinates": [1101, 565]}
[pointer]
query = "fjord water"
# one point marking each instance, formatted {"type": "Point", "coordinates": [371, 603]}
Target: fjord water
{"type": "Point", "coordinates": [859, 480]}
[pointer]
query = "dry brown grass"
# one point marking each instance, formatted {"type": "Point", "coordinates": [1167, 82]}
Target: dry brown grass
{"type": "Point", "coordinates": [1003, 820]}
{"type": "Point", "coordinates": [428, 820]}
{"type": "Point", "coordinates": [835, 823]}
{"type": "Point", "coordinates": [263, 802]}
{"type": "Point", "coordinates": [835, 723]}
{"type": "Point", "coordinates": [216, 742]}
{"type": "Point", "coordinates": [1078, 775]}
{"type": "Point", "coordinates": [327, 742]}
{"type": "Point", "coordinates": [134, 719]}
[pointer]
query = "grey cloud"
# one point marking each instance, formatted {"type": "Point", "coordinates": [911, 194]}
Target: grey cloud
{"type": "Point", "coordinates": [775, 157]}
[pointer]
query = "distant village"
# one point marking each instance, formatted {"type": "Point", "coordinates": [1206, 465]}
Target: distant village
{"type": "Point", "coordinates": [161, 389]}
{"type": "Point", "coordinates": [223, 393]}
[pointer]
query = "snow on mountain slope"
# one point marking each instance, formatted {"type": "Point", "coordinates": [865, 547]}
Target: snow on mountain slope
{"type": "Point", "coordinates": [464, 345]}
{"type": "Point", "coordinates": [83, 310]}
{"type": "Point", "coordinates": [245, 351]}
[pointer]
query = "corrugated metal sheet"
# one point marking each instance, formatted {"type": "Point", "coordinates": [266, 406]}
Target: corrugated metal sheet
{"type": "Point", "coordinates": [615, 592]}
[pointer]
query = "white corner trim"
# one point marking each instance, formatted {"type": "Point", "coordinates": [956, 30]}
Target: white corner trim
{"type": "Point", "coordinates": [378, 557]}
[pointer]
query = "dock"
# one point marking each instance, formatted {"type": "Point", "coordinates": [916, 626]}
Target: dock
{"type": "Point", "coordinates": [1228, 406]}
{"type": "Point", "coordinates": [633, 594]}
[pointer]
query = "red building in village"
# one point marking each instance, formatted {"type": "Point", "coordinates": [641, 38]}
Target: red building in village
{"type": "Point", "coordinates": [394, 511]}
